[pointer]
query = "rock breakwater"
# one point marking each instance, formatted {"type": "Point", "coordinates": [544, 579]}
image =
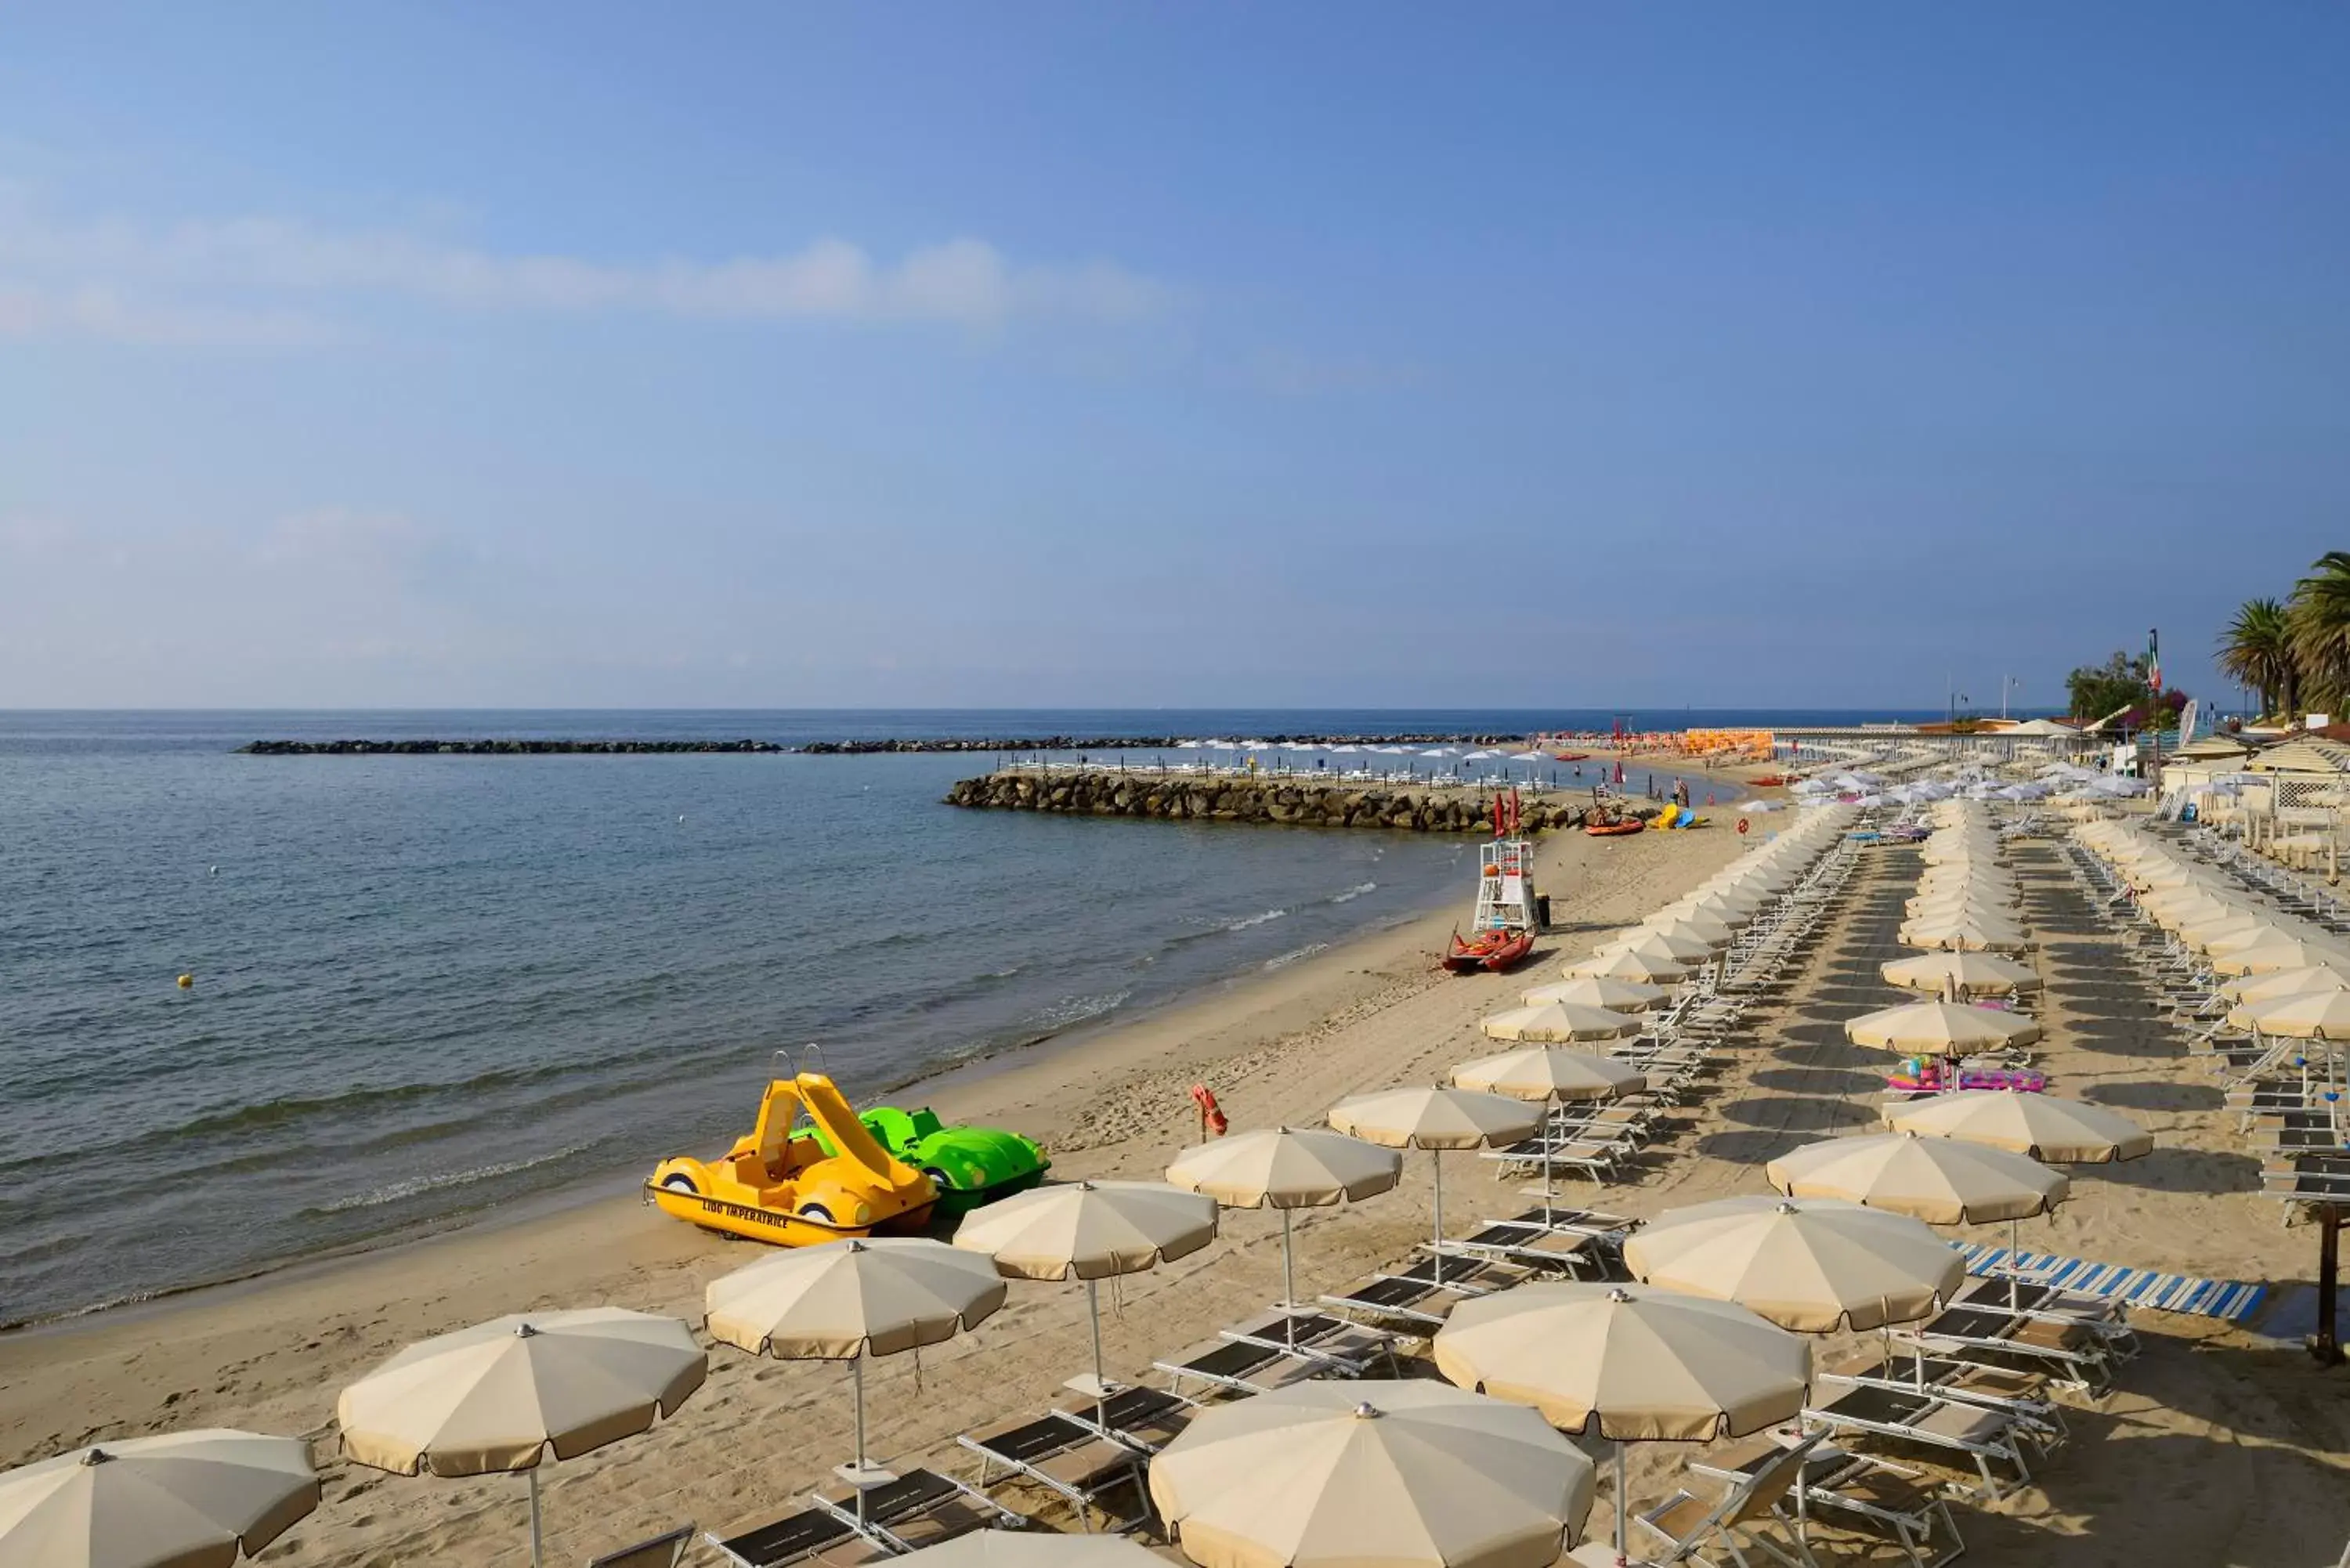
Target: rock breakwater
{"type": "Point", "coordinates": [1298, 802]}
{"type": "Point", "coordinates": [481, 747]}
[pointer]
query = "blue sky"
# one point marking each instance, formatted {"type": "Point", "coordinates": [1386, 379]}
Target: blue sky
{"type": "Point", "coordinates": [1044, 354]}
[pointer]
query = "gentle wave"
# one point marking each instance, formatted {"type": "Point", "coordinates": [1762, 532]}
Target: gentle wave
{"type": "Point", "coordinates": [1076, 1010]}
{"type": "Point", "coordinates": [1355, 892]}
{"type": "Point", "coordinates": [415, 1186]}
{"type": "Point", "coordinates": [1286, 960]}
{"type": "Point", "coordinates": [1245, 921]}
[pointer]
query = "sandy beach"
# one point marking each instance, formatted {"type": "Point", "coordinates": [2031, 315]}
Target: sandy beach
{"type": "Point", "coordinates": [2216, 1448]}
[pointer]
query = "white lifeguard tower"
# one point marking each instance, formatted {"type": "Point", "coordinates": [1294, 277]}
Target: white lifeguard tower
{"type": "Point", "coordinates": [1505, 886]}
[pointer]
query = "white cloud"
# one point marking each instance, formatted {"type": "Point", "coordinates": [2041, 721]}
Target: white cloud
{"type": "Point", "coordinates": [232, 280]}
{"type": "Point", "coordinates": [101, 310]}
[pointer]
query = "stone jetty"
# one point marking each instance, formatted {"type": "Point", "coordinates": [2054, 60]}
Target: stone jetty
{"type": "Point", "coordinates": [1292, 798]}
{"type": "Point", "coordinates": [481, 747]}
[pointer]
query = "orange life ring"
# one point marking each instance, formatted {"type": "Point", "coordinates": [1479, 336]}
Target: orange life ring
{"type": "Point", "coordinates": [1741, 825]}
{"type": "Point", "coordinates": [1210, 1112]}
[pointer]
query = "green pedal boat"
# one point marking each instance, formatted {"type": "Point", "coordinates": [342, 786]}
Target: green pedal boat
{"type": "Point", "coordinates": [970, 1166]}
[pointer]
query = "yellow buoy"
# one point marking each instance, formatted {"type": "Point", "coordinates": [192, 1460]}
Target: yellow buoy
{"type": "Point", "coordinates": [187, 982]}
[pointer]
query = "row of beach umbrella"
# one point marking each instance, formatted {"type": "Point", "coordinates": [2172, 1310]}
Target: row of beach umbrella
{"type": "Point", "coordinates": [1706, 1341]}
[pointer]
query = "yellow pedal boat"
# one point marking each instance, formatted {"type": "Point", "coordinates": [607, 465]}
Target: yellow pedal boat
{"type": "Point", "coordinates": [782, 1187]}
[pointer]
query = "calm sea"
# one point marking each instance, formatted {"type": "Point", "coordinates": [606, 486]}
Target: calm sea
{"type": "Point", "coordinates": [427, 985]}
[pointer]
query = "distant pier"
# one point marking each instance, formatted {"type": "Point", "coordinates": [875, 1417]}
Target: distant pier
{"type": "Point", "coordinates": [495, 748]}
{"type": "Point", "coordinates": [1296, 799]}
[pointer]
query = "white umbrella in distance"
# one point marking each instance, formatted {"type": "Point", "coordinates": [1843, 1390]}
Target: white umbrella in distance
{"type": "Point", "coordinates": [1401, 1474]}
{"type": "Point", "coordinates": [1436, 1120]}
{"type": "Point", "coordinates": [846, 1301]}
{"type": "Point", "coordinates": [1286, 1169]}
{"type": "Point", "coordinates": [180, 1500]}
{"type": "Point", "coordinates": [1090, 1230]}
{"type": "Point", "coordinates": [1629, 1363]}
{"type": "Point", "coordinates": [500, 1394]}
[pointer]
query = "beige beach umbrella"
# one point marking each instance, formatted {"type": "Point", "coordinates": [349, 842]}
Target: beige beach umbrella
{"type": "Point", "coordinates": [1595, 991]}
{"type": "Point", "coordinates": [1961, 909]}
{"type": "Point", "coordinates": [1286, 1169]}
{"type": "Point", "coordinates": [2205, 935]}
{"type": "Point", "coordinates": [179, 1499]}
{"type": "Point", "coordinates": [1604, 965]}
{"type": "Point", "coordinates": [2189, 903]}
{"type": "Point", "coordinates": [1647, 943]}
{"type": "Point", "coordinates": [1372, 1473]}
{"type": "Point", "coordinates": [1965, 935]}
{"type": "Point", "coordinates": [846, 1301]}
{"type": "Point", "coordinates": [1558, 1021]}
{"type": "Point", "coordinates": [1941, 1181]}
{"type": "Point", "coordinates": [2285, 982]}
{"type": "Point", "coordinates": [500, 1394]}
{"type": "Point", "coordinates": [1710, 934]}
{"type": "Point", "coordinates": [2307, 1015]}
{"type": "Point", "coordinates": [1437, 1119]}
{"type": "Point", "coordinates": [1628, 1363]}
{"type": "Point", "coordinates": [2279, 952]}
{"type": "Point", "coordinates": [1814, 1265]}
{"type": "Point", "coordinates": [1940, 1028]}
{"type": "Point", "coordinates": [2042, 1125]}
{"type": "Point", "coordinates": [1090, 1230]}
{"type": "Point", "coordinates": [1962, 974]}
{"type": "Point", "coordinates": [1549, 1076]}
{"type": "Point", "coordinates": [2261, 931]}
{"type": "Point", "coordinates": [1737, 914]}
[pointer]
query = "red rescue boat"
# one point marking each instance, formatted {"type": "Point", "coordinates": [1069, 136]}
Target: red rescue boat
{"type": "Point", "coordinates": [1492, 950]}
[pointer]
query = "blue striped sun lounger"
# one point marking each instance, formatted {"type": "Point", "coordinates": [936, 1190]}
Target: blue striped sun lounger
{"type": "Point", "coordinates": [2230, 1301]}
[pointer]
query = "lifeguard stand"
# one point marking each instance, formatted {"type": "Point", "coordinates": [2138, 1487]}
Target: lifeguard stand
{"type": "Point", "coordinates": [1505, 886]}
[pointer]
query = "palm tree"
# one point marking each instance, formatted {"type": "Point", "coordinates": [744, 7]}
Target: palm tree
{"type": "Point", "coordinates": [2319, 620]}
{"type": "Point", "coordinates": [2256, 651]}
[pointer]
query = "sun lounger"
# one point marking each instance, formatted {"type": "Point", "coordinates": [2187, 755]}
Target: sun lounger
{"type": "Point", "coordinates": [1607, 1230]}
{"type": "Point", "coordinates": [1234, 1366]}
{"type": "Point", "coordinates": [921, 1508]}
{"type": "Point", "coordinates": [1925, 1419]}
{"type": "Point", "coordinates": [1419, 1294]}
{"type": "Point", "coordinates": [1343, 1349]}
{"type": "Point", "coordinates": [794, 1538]}
{"type": "Point", "coordinates": [1544, 1251]}
{"type": "Point", "coordinates": [663, 1551]}
{"type": "Point", "coordinates": [1855, 1491]}
{"type": "Point", "coordinates": [2069, 1352]}
{"type": "Point", "coordinates": [2020, 1296]}
{"type": "Point", "coordinates": [2021, 1394]}
{"type": "Point", "coordinates": [1688, 1523]}
{"type": "Point", "coordinates": [1076, 1460]}
{"type": "Point", "coordinates": [1143, 1418]}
